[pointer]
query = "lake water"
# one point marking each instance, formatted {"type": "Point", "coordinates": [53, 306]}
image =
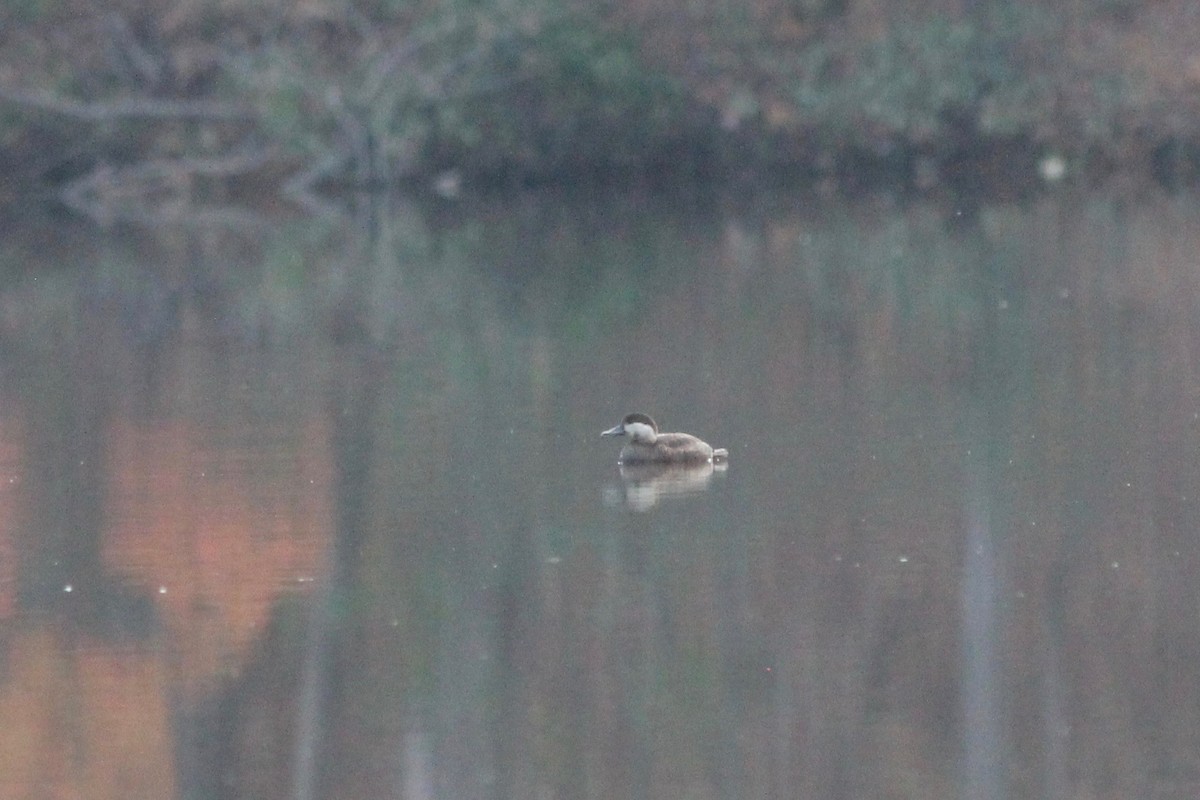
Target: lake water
{"type": "Point", "coordinates": [319, 509]}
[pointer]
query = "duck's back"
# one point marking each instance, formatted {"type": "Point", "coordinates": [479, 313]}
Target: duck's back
{"type": "Point", "coordinates": [668, 448]}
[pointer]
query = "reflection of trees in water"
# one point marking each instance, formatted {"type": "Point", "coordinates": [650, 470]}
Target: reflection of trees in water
{"type": "Point", "coordinates": [809, 635]}
{"type": "Point", "coordinates": [815, 646]}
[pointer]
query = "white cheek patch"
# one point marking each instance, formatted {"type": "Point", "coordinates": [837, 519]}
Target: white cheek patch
{"type": "Point", "coordinates": [639, 431]}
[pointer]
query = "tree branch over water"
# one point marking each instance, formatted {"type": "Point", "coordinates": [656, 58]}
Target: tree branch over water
{"type": "Point", "coordinates": [154, 189]}
{"type": "Point", "coordinates": [126, 108]}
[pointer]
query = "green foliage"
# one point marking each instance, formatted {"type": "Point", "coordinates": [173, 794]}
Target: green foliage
{"type": "Point", "coordinates": [927, 75]}
{"type": "Point", "coordinates": [539, 93]}
{"type": "Point", "coordinates": [480, 86]}
{"type": "Point", "coordinates": [367, 92]}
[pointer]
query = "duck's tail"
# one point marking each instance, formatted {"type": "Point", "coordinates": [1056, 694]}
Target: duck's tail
{"type": "Point", "coordinates": [720, 454]}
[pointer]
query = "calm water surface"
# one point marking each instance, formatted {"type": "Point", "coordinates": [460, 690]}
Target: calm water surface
{"type": "Point", "coordinates": [320, 510]}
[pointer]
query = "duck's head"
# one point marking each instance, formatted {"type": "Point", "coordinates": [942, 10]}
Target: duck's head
{"type": "Point", "coordinates": [638, 427]}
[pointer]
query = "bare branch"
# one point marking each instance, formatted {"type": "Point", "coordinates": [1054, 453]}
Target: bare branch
{"type": "Point", "coordinates": [156, 187]}
{"type": "Point", "coordinates": [301, 188]}
{"type": "Point", "coordinates": [148, 69]}
{"type": "Point", "coordinates": [119, 109]}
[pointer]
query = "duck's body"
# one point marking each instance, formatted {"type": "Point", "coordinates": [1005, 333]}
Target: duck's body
{"type": "Point", "coordinates": [648, 446]}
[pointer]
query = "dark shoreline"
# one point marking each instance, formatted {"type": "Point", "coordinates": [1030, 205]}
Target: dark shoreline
{"type": "Point", "coordinates": [171, 106]}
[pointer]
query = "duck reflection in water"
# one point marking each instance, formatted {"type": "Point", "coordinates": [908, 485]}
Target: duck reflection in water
{"type": "Point", "coordinates": [656, 465]}
{"type": "Point", "coordinates": [646, 484]}
{"type": "Point", "coordinates": [648, 446]}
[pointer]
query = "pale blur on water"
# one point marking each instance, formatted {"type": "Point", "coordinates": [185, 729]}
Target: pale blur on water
{"type": "Point", "coordinates": [321, 510]}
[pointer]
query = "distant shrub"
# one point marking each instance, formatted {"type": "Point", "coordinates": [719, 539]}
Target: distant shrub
{"type": "Point", "coordinates": [533, 86]}
{"type": "Point", "coordinates": [928, 76]}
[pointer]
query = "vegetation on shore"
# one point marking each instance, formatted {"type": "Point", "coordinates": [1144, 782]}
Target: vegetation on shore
{"type": "Point", "coordinates": [161, 104]}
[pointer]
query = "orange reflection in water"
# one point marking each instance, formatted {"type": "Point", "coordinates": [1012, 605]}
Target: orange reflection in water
{"type": "Point", "coordinates": [216, 531]}
{"type": "Point", "coordinates": [83, 720]}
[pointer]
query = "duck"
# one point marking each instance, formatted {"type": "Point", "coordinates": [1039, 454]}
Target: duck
{"type": "Point", "coordinates": [648, 446]}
